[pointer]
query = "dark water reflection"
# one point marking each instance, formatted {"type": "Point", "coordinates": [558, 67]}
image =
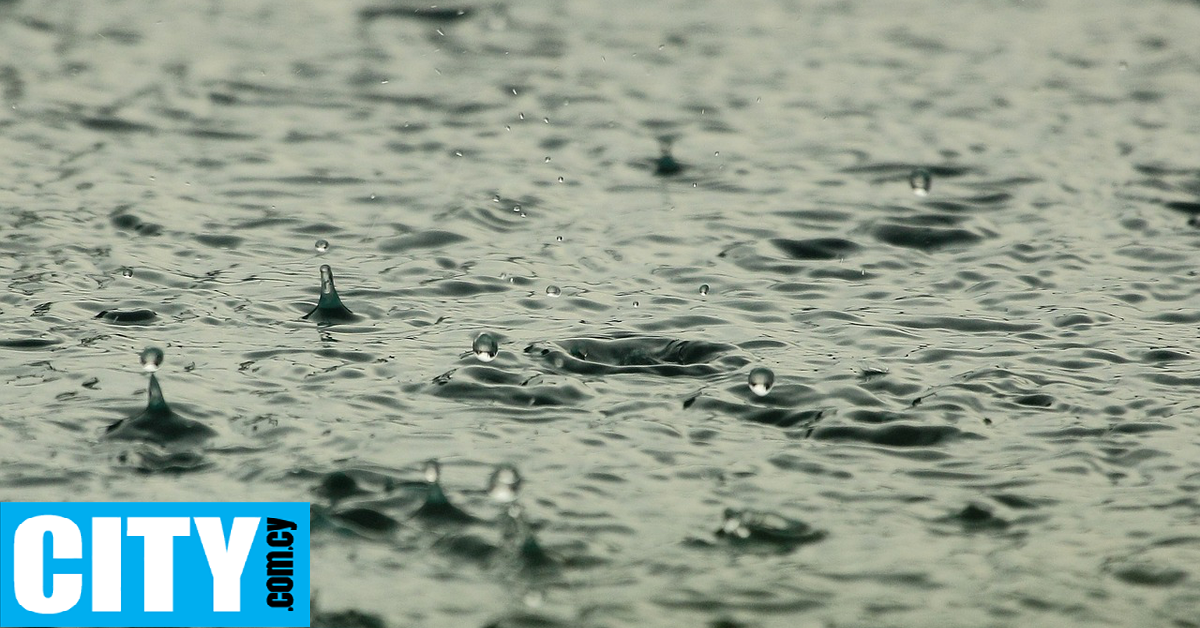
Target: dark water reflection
{"type": "Point", "coordinates": [984, 409]}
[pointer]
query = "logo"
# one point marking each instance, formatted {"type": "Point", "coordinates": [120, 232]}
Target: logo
{"type": "Point", "coordinates": [154, 564]}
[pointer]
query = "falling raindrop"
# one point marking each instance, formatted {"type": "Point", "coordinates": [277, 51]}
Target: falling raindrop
{"type": "Point", "coordinates": [761, 380]}
{"type": "Point", "coordinates": [126, 272]}
{"type": "Point", "coordinates": [560, 179]}
{"type": "Point", "coordinates": [921, 181]}
{"type": "Point", "coordinates": [559, 238]}
{"type": "Point", "coordinates": [553, 291]}
{"type": "Point", "coordinates": [504, 484]}
{"type": "Point", "coordinates": [485, 347]}
{"type": "Point", "coordinates": [547, 159]}
{"type": "Point", "coordinates": [704, 290]}
{"type": "Point", "coordinates": [635, 304]}
{"type": "Point", "coordinates": [152, 358]}
{"type": "Point", "coordinates": [322, 246]}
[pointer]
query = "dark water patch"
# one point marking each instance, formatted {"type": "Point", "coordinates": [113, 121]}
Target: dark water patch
{"type": "Point", "coordinates": [957, 205]}
{"type": "Point", "coordinates": [431, 13]}
{"type": "Point", "coordinates": [116, 125]}
{"type": "Point", "coordinates": [816, 249]}
{"type": "Point", "coordinates": [900, 171]}
{"type": "Point", "coordinates": [213, 134]}
{"type": "Point", "coordinates": [433, 239]}
{"type": "Point", "coordinates": [894, 435]}
{"type": "Point", "coordinates": [219, 241]}
{"type": "Point", "coordinates": [28, 344]}
{"type": "Point", "coordinates": [669, 357]}
{"type": "Point", "coordinates": [1037, 400]}
{"type": "Point", "coordinates": [966, 325]}
{"type": "Point", "coordinates": [785, 415]}
{"type": "Point", "coordinates": [128, 317]}
{"type": "Point", "coordinates": [975, 517]}
{"type": "Point", "coordinates": [1148, 575]}
{"type": "Point", "coordinates": [924, 238]}
{"type": "Point", "coordinates": [1190, 208]}
{"type": "Point", "coordinates": [1165, 355]}
{"type": "Point", "coordinates": [128, 222]}
{"type": "Point", "coordinates": [486, 383]}
{"type": "Point", "coordinates": [364, 521]}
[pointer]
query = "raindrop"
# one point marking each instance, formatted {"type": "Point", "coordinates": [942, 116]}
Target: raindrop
{"type": "Point", "coordinates": [504, 484]}
{"type": "Point", "coordinates": [920, 180]}
{"type": "Point", "coordinates": [485, 347]}
{"type": "Point", "coordinates": [553, 291]}
{"type": "Point", "coordinates": [321, 246]}
{"type": "Point", "coordinates": [516, 208]}
{"type": "Point", "coordinates": [716, 153]}
{"type": "Point", "coordinates": [559, 238]}
{"type": "Point", "coordinates": [546, 120]}
{"type": "Point", "coordinates": [733, 524]}
{"type": "Point", "coordinates": [547, 159]}
{"type": "Point", "coordinates": [152, 358]}
{"type": "Point", "coordinates": [521, 116]}
{"type": "Point", "coordinates": [126, 271]}
{"type": "Point", "coordinates": [704, 290]}
{"type": "Point", "coordinates": [432, 471]}
{"type": "Point", "coordinates": [635, 304]}
{"type": "Point", "coordinates": [761, 380]}
{"type": "Point", "coordinates": [560, 179]}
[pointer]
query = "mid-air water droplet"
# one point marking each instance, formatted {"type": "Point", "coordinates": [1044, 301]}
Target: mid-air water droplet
{"type": "Point", "coordinates": [505, 484]}
{"type": "Point", "coordinates": [704, 290]}
{"type": "Point", "coordinates": [553, 291]}
{"type": "Point", "coordinates": [485, 347]}
{"type": "Point", "coordinates": [321, 246]}
{"type": "Point", "coordinates": [126, 272]}
{"type": "Point", "coordinates": [432, 471]}
{"type": "Point", "coordinates": [152, 358]}
{"type": "Point", "coordinates": [921, 181]}
{"type": "Point", "coordinates": [761, 380]}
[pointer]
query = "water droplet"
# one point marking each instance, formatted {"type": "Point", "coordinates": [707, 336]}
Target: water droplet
{"type": "Point", "coordinates": [152, 358]}
{"type": "Point", "coordinates": [485, 347]}
{"type": "Point", "coordinates": [517, 208]}
{"type": "Point", "coordinates": [504, 484]}
{"type": "Point", "coordinates": [547, 159]}
{"type": "Point", "coordinates": [560, 179]}
{"type": "Point", "coordinates": [521, 115]}
{"type": "Point", "coordinates": [704, 290]}
{"type": "Point", "coordinates": [761, 380]}
{"type": "Point", "coordinates": [716, 153]}
{"type": "Point", "coordinates": [635, 304]}
{"type": "Point", "coordinates": [496, 198]}
{"type": "Point", "coordinates": [921, 181]}
{"type": "Point", "coordinates": [559, 238]}
{"type": "Point", "coordinates": [432, 471]}
{"type": "Point", "coordinates": [546, 120]}
{"type": "Point", "coordinates": [126, 271]}
{"type": "Point", "coordinates": [733, 524]}
{"type": "Point", "coordinates": [553, 291]}
{"type": "Point", "coordinates": [321, 246]}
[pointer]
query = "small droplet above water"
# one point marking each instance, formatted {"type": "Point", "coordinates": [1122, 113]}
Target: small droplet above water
{"type": "Point", "coordinates": [126, 272]}
{"type": "Point", "coordinates": [704, 290]}
{"type": "Point", "coordinates": [321, 246]}
{"type": "Point", "coordinates": [432, 471]}
{"type": "Point", "coordinates": [921, 181]}
{"type": "Point", "coordinates": [505, 484]}
{"type": "Point", "coordinates": [485, 347]}
{"type": "Point", "coordinates": [761, 380]}
{"type": "Point", "coordinates": [559, 238]}
{"type": "Point", "coordinates": [560, 179]}
{"type": "Point", "coordinates": [547, 159]}
{"type": "Point", "coordinates": [553, 291]}
{"type": "Point", "coordinates": [635, 304]}
{"type": "Point", "coordinates": [152, 358]}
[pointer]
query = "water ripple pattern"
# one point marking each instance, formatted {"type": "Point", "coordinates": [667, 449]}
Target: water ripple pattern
{"type": "Point", "coordinates": [963, 237]}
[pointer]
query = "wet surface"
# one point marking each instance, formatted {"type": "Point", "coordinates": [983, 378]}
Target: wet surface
{"type": "Point", "coordinates": [983, 407]}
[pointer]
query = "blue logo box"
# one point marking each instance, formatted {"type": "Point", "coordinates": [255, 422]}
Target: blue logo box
{"type": "Point", "coordinates": [154, 564]}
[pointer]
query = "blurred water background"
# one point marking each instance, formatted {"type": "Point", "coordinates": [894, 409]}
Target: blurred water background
{"type": "Point", "coordinates": [984, 408]}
